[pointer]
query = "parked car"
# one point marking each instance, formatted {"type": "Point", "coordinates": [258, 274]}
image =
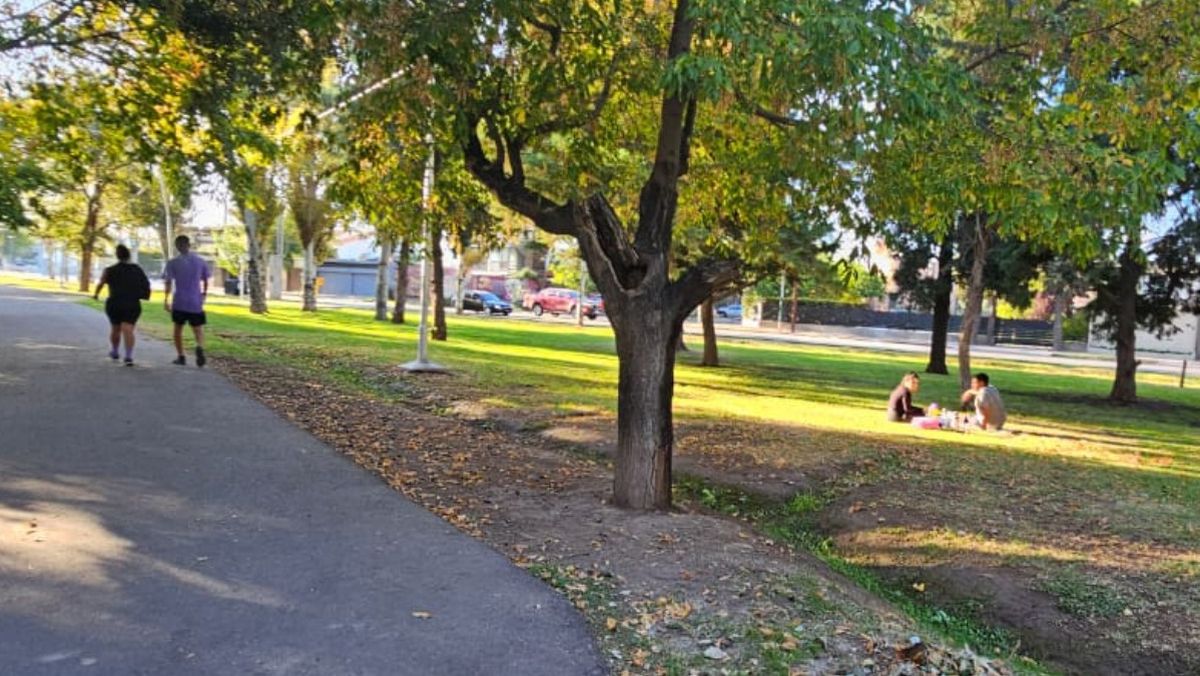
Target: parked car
{"type": "Point", "coordinates": [731, 311]}
{"type": "Point", "coordinates": [486, 301]}
{"type": "Point", "coordinates": [553, 300]}
{"type": "Point", "coordinates": [593, 306]}
{"type": "Point", "coordinates": [558, 301]}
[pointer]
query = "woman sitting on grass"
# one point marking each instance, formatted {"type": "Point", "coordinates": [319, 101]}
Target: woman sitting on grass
{"type": "Point", "coordinates": [900, 406]}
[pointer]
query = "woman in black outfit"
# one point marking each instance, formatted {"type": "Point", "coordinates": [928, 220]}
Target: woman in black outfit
{"type": "Point", "coordinates": [900, 406]}
{"type": "Point", "coordinates": [127, 288]}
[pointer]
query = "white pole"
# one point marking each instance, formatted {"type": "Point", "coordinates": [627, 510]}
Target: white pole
{"type": "Point", "coordinates": [782, 288]}
{"type": "Point", "coordinates": [422, 363]}
{"type": "Point", "coordinates": [582, 286]}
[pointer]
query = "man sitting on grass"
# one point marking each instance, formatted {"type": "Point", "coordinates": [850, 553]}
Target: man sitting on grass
{"type": "Point", "coordinates": [989, 407]}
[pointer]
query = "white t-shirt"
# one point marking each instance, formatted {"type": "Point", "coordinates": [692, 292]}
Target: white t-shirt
{"type": "Point", "coordinates": [988, 403]}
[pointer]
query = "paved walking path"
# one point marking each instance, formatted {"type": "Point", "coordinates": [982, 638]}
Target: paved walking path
{"type": "Point", "coordinates": [155, 520]}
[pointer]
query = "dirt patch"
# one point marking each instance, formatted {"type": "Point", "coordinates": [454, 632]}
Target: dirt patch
{"type": "Point", "coordinates": [1078, 596]}
{"type": "Point", "coordinates": [995, 548]}
{"type": "Point", "coordinates": [684, 592]}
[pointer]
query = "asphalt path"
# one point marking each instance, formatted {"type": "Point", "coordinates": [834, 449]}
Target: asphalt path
{"type": "Point", "coordinates": [156, 520]}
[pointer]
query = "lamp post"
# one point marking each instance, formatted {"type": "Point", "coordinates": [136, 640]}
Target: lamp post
{"type": "Point", "coordinates": [422, 364]}
{"type": "Point", "coordinates": [782, 287]}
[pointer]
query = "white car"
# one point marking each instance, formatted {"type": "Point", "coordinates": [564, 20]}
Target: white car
{"type": "Point", "coordinates": [731, 311]}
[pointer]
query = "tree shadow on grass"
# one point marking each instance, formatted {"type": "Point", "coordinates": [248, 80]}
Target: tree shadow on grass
{"type": "Point", "coordinates": [988, 527]}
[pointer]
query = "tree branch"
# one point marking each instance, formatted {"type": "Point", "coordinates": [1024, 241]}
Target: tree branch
{"type": "Point", "coordinates": [615, 265]}
{"type": "Point", "coordinates": [553, 30]}
{"type": "Point", "coordinates": [656, 205]}
{"type": "Point", "coordinates": [689, 126]}
{"type": "Point", "coordinates": [777, 119]}
{"type": "Point", "coordinates": [511, 190]}
{"type": "Point", "coordinates": [1060, 9]}
{"type": "Point", "coordinates": [699, 282]}
{"type": "Point", "coordinates": [564, 123]}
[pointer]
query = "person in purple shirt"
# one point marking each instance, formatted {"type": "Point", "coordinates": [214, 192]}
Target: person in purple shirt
{"type": "Point", "coordinates": [186, 275]}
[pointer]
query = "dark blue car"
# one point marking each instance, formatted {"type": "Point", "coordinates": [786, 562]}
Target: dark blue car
{"type": "Point", "coordinates": [485, 301]}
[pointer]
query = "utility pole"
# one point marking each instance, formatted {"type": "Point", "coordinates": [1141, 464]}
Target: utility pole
{"type": "Point", "coordinates": [422, 364]}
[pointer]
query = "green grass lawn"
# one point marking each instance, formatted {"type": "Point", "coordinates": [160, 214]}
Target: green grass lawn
{"type": "Point", "coordinates": [1083, 500]}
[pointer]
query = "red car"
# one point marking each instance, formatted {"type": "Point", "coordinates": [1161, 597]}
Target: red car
{"type": "Point", "coordinates": [558, 301]}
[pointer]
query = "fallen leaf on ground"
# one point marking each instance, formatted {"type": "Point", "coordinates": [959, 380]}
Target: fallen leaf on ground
{"type": "Point", "coordinates": [712, 652]}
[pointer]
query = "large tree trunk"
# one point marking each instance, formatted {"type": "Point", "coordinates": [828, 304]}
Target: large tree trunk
{"type": "Point", "coordinates": [87, 252]}
{"type": "Point", "coordinates": [646, 307]}
{"type": "Point", "coordinates": [439, 286]}
{"type": "Point", "coordinates": [993, 321]}
{"type": "Point", "coordinates": [310, 277]}
{"type": "Point", "coordinates": [381, 279]}
{"type": "Point", "coordinates": [941, 310]}
{"type": "Point", "coordinates": [401, 282]}
{"type": "Point", "coordinates": [87, 247]}
{"type": "Point", "coordinates": [974, 306]}
{"type": "Point", "coordinates": [711, 357]}
{"type": "Point", "coordinates": [1061, 298]}
{"type": "Point", "coordinates": [1124, 389]}
{"type": "Point", "coordinates": [255, 265]}
{"type": "Point", "coordinates": [646, 342]}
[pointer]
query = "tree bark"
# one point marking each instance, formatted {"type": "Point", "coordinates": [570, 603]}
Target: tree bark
{"type": "Point", "coordinates": [1124, 389]}
{"type": "Point", "coordinates": [646, 344]}
{"type": "Point", "coordinates": [711, 356]}
{"type": "Point", "coordinates": [974, 306]}
{"type": "Point", "coordinates": [401, 282]}
{"type": "Point", "coordinates": [992, 321]}
{"type": "Point", "coordinates": [86, 252]}
{"type": "Point", "coordinates": [310, 278]}
{"type": "Point", "coordinates": [254, 264]}
{"type": "Point", "coordinates": [87, 244]}
{"type": "Point", "coordinates": [439, 287]}
{"type": "Point", "coordinates": [1061, 297]}
{"type": "Point", "coordinates": [941, 309]}
{"type": "Point", "coordinates": [381, 279]}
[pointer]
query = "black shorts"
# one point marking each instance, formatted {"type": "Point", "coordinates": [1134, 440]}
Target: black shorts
{"type": "Point", "coordinates": [190, 318]}
{"type": "Point", "coordinates": [122, 312]}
